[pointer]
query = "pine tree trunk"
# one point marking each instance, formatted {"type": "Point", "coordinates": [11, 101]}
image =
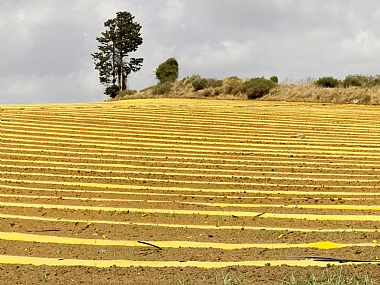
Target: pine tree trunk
{"type": "Point", "coordinates": [121, 73]}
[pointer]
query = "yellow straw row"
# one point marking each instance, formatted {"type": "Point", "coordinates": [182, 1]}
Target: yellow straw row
{"type": "Point", "coordinates": [372, 218]}
{"type": "Point", "coordinates": [216, 147]}
{"type": "Point", "coordinates": [205, 110]}
{"type": "Point", "coordinates": [262, 177]}
{"type": "Point", "coordinates": [246, 162]}
{"type": "Point", "coordinates": [187, 151]}
{"type": "Point", "coordinates": [214, 190]}
{"type": "Point", "coordinates": [219, 205]}
{"type": "Point", "coordinates": [134, 130]}
{"type": "Point", "coordinates": [38, 261]}
{"type": "Point", "coordinates": [172, 225]}
{"type": "Point", "coordinates": [265, 196]}
{"type": "Point", "coordinates": [12, 236]}
{"type": "Point", "coordinates": [68, 166]}
{"type": "Point", "coordinates": [196, 121]}
{"type": "Point", "coordinates": [152, 131]}
{"type": "Point", "coordinates": [134, 166]}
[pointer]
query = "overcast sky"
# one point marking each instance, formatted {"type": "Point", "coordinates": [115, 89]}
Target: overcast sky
{"type": "Point", "coordinates": [46, 45]}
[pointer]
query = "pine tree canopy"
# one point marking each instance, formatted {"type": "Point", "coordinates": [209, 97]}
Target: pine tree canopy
{"type": "Point", "coordinates": [122, 36]}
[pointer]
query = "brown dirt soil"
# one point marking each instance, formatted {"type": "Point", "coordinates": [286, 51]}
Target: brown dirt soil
{"type": "Point", "coordinates": [270, 181]}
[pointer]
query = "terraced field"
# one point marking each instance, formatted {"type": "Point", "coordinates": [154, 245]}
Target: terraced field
{"type": "Point", "coordinates": [164, 191]}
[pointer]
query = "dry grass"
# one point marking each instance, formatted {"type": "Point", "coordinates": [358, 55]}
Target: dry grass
{"type": "Point", "coordinates": [312, 93]}
{"type": "Point", "coordinates": [288, 90]}
{"type": "Point", "coordinates": [326, 278]}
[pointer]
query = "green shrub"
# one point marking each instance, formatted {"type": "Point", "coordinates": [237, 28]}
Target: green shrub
{"type": "Point", "coordinates": [233, 78]}
{"type": "Point", "coordinates": [200, 83]}
{"type": "Point", "coordinates": [207, 92]}
{"type": "Point", "coordinates": [162, 88]}
{"type": "Point", "coordinates": [167, 71]}
{"type": "Point", "coordinates": [212, 82]}
{"type": "Point", "coordinates": [274, 79]}
{"type": "Point", "coordinates": [217, 91]}
{"type": "Point", "coordinates": [373, 83]}
{"type": "Point", "coordinates": [366, 99]}
{"type": "Point", "coordinates": [258, 87]}
{"type": "Point", "coordinates": [359, 80]}
{"type": "Point", "coordinates": [112, 91]}
{"type": "Point", "coordinates": [191, 78]}
{"type": "Point", "coordinates": [126, 92]}
{"type": "Point", "coordinates": [148, 88]}
{"type": "Point", "coordinates": [233, 85]}
{"type": "Point", "coordinates": [354, 80]}
{"type": "Point", "coordinates": [327, 82]}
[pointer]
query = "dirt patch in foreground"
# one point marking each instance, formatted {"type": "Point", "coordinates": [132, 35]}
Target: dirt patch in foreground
{"type": "Point", "coordinates": [16, 274]}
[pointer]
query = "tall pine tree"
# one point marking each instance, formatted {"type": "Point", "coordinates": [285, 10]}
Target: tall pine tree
{"type": "Point", "coordinates": [122, 36]}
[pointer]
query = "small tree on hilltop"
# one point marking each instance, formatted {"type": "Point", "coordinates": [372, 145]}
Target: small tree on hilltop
{"type": "Point", "coordinates": [121, 37]}
{"type": "Point", "coordinates": [274, 79]}
{"type": "Point", "coordinates": [167, 71]}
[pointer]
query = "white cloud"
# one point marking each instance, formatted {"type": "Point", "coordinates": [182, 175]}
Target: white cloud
{"type": "Point", "coordinates": [79, 86]}
{"type": "Point", "coordinates": [365, 46]}
{"type": "Point", "coordinates": [377, 13]}
{"type": "Point", "coordinates": [21, 15]}
{"type": "Point", "coordinates": [172, 13]}
{"type": "Point", "coordinates": [227, 52]}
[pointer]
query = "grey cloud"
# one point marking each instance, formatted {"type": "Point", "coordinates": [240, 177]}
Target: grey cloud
{"type": "Point", "coordinates": [51, 50]}
{"type": "Point", "coordinates": [57, 49]}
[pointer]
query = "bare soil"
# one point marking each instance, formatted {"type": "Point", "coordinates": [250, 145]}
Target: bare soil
{"type": "Point", "coordinates": [275, 177]}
